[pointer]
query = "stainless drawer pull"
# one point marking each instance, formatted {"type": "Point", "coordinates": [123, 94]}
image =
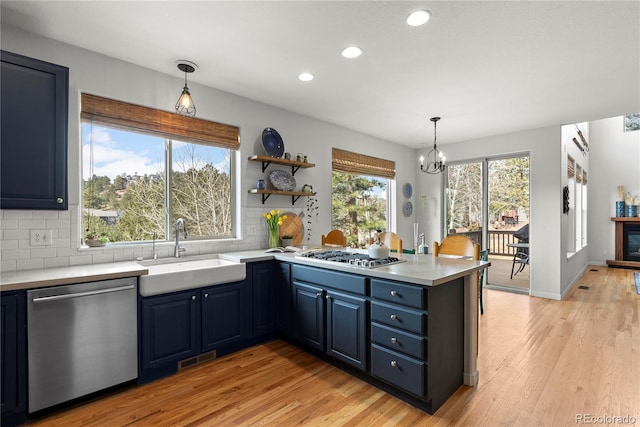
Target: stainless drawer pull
{"type": "Point", "coordinates": [206, 295]}
{"type": "Point", "coordinates": [81, 294]}
{"type": "Point", "coordinates": [394, 340]}
{"type": "Point", "coordinates": [394, 294]}
{"type": "Point", "coordinates": [394, 317]}
{"type": "Point", "coordinates": [394, 363]}
{"type": "Point", "coordinates": [319, 294]}
{"type": "Point", "coordinates": [193, 297]}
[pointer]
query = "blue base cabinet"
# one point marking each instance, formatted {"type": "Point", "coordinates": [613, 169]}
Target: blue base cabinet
{"type": "Point", "coordinates": [283, 299]}
{"type": "Point", "coordinates": [170, 328]}
{"type": "Point", "coordinates": [330, 313]}
{"type": "Point", "coordinates": [224, 318]}
{"type": "Point", "coordinates": [224, 315]}
{"type": "Point", "coordinates": [262, 277]}
{"type": "Point", "coordinates": [13, 363]}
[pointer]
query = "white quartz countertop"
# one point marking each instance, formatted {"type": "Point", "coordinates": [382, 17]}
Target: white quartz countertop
{"type": "Point", "coordinates": [29, 279]}
{"type": "Point", "coordinates": [423, 270]}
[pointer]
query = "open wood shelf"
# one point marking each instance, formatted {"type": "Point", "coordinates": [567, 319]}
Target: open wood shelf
{"type": "Point", "coordinates": [295, 195]}
{"type": "Point", "coordinates": [267, 160]}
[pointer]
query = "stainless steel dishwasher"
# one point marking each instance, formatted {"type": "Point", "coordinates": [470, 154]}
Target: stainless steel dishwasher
{"type": "Point", "coordinates": [81, 339]}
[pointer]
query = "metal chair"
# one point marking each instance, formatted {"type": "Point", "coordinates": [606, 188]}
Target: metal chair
{"type": "Point", "coordinates": [335, 238]}
{"type": "Point", "coordinates": [521, 257]}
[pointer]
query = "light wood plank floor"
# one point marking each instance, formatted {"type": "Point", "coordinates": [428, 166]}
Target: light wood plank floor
{"type": "Point", "coordinates": [542, 363]}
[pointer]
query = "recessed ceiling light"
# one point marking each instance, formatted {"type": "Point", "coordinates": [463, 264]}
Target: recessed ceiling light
{"type": "Point", "coordinates": [305, 77]}
{"type": "Point", "coordinates": [351, 52]}
{"type": "Point", "coordinates": [419, 17]}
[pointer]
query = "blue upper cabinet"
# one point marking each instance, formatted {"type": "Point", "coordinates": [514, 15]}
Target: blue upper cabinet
{"type": "Point", "coordinates": [33, 145]}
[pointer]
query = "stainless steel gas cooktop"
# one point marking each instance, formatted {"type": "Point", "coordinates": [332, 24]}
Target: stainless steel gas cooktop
{"type": "Point", "coordinates": [352, 258]}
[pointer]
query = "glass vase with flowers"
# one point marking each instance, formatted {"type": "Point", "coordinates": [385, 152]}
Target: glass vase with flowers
{"type": "Point", "coordinates": [274, 221]}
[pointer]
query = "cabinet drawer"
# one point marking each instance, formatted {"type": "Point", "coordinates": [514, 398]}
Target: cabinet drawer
{"type": "Point", "coordinates": [402, 371]}
{"type": "Point", "coordinates": [399, 317]}
{"type": "Point", "coordinates": [399, 293]}
{"type": "Point", "coordinates": [332, 279]}
{"type": "Point", "coordinates": [395, 339]}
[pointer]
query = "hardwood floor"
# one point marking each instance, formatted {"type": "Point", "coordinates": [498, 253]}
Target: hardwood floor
{"type": "Point", "coordinates": [542, 362]}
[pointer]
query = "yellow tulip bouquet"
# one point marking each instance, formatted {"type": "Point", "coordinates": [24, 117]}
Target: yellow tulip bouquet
{"type": "Point", "coordinates": [274, 221]}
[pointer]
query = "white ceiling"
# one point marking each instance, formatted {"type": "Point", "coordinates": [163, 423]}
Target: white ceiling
{"type": "Point", "coordinates": [485, 67]}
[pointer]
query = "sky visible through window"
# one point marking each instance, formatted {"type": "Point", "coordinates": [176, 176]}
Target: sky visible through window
{"type": "Point", "coordinates": [118, 152]}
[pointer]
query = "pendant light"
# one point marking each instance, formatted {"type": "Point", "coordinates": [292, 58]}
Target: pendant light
{"type": "Point", "coordinates": [435, 158]}
{"type": "Point", "coordinates": [185, 104]}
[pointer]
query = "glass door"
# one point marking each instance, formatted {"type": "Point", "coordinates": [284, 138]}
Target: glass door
{"type": "Point", "coordinates": [508, 222]}
{"type": "Point", "coordinates": [488, 201]}
{"type": "Point", "coordinates": [464, 195]}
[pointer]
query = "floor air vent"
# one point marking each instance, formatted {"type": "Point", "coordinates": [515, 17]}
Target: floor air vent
{"type": "Point", "coordinates": [594, 269]}
{"type": "Point", "coordinates": [196, 360]}
{"type": "Point", "coordinates": [586, 288]}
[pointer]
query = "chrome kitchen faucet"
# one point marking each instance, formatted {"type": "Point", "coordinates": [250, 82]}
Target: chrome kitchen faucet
{"type": "Point", "coordinates": [177, 249]}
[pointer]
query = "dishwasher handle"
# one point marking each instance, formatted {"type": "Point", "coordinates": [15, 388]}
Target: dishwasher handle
{"type": "Point", "coordinates": [81, 294]}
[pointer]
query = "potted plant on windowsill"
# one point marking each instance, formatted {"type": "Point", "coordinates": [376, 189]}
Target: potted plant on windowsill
{"type": "Point", "coordinates": [94, 241]}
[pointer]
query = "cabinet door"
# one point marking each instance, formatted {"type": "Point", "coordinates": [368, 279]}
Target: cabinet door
{"type": "Point", "coordinates": [308, 307]}
{"type": "Point", "coordinates": [224, 319]}
{"type": "Point", "coordinates": [13, 364]}
{"type": "Point", "coordinates": [33, 146]}
{"type": "Point", "coordinates": [347, 328]}
{"type": "Point", "coordinates": [170, 325]}
{"type": "Point", "coordinates": [264, 298]}
{"type": "Point", "coordinates": [283, 298]}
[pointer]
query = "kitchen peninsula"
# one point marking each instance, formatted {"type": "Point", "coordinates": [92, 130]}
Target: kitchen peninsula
{"type": "Point", "coordinates": [409, 328]}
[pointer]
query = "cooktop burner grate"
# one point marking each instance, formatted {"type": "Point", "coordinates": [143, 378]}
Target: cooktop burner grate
{"type": "Point", "coordinates": [353, 258]}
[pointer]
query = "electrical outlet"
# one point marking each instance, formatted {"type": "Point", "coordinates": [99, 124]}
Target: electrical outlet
{"type": "Point", "coordinates": [252, 229]}
{"type": "Point", "coordinates": [40, 237]}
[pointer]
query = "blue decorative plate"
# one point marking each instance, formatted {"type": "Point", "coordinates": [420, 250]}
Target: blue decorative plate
{"type": "Point", "coordinates": [408, 190]}
{"type": "Point", "coordinates": [272, 142]}
{"type": "Point", "coordinates": [282, 180]}
{"type": "Point", "coordinates": [408, 209]}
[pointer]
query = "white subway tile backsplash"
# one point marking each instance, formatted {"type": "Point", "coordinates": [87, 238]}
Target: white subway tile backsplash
{"type": "Point", "coordinates": [8, 265]}
{"type": "Point", "coordinates": [59, 261]}
{"type": "Point", "coordinates": [15, 234]}
{"type": "Point", "coordinates": [17, 214]}
{"type": "Point", "coordinates": [28, 224]}
{"type": "Point", "coordinates": [80, 260]}
{"type": "Point", "coordinates": [17, 254]}
{"type": "Point", "coordinates": [9, 224]}
{"type": "Point", "coordinates": [30, 264]}
{"type": "Point", "coordinates": [45, 215]}
{"type": "Point", "coordinates": [43, 253]}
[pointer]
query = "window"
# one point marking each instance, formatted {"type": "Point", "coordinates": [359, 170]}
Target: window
{"type": "Point", "coordinates": [137, 181]}
{"type": "Point", "coordinates": [361, 189]}
{"type": "Point", "coordinates": [577, 215]}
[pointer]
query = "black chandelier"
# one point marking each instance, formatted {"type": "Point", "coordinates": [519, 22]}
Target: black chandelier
{"type": "Point", "coordinates": [435, 158]}
{"type": "Point", "coordinates": [185, 104]}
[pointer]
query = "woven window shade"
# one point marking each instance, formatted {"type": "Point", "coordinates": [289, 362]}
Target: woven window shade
{"type": "Point", "coordinates": [584, 177]}
{"type": "Point", "coordinates": [571, 167]}
{"type": "Point", "coordinates": [120, 114]}
{"type": "Point", "coordinates": [578, 174]}
{"type": "Point", "coordinates": [354, 163]}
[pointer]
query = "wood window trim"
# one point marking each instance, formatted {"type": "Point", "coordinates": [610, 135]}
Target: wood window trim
{"type": "Point", "coordinates": [355, 163]}
{"type": "Point", "coordinates": [111, 112]}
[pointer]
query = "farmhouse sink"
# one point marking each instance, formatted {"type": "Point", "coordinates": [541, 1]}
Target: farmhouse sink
{"type": "Point", "coordinates": [177, 274]}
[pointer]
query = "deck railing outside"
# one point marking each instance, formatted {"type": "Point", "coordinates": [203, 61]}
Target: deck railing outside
{"type": "Point", "coordinates": [497, 240]}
